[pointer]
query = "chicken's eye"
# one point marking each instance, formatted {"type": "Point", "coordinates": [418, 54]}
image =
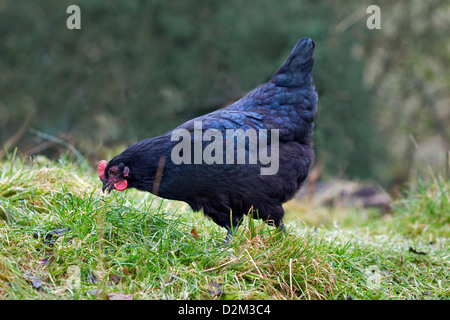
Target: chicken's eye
{"type": "Point", "coordinates": [112, 171]}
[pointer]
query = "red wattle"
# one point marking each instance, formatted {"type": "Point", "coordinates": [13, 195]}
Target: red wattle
{"type": "Point", "coordinates": [121, 185]}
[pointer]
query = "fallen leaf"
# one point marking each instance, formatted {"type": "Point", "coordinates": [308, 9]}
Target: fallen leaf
{"type": "Point", "coordinates": [194, 233]}
{"type": "Point", "coordinates": [51, 236]}
{"type": "Point", "coordinates": [215, 289]}
{"type": "Point", "coordinates": [115, 279]}
{"type": "Point", "coordinates": [46, 260]}
{"type": "Point", "coordinates": [119, 296]}
{"type": "Point", "coordinates": [92, 277]}
{"type": "Point", "coordinates": [43, 261]}
{"type": "Point", "coordinates": [34, 280]}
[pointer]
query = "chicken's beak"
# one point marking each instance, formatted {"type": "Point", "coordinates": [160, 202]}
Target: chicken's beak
{"type": "Point", "coordinates": [106, 185]}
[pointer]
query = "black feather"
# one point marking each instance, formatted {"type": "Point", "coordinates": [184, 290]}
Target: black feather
{"type": "Point", "coordinates": [226, 192]}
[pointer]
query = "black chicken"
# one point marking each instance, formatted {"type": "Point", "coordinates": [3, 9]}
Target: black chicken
{"type": "Point", "coordinates": [186, 164]}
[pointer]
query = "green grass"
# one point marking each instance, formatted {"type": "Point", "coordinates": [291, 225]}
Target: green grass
{"type": "Point", "coordinates": [149, 248]}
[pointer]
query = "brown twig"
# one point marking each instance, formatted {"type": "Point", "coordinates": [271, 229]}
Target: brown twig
{"type": "Point", "coordinates": [158, 175]}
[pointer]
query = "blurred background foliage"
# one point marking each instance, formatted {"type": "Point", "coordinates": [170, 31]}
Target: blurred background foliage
{"type": "Point", "coordinates": [137, 69]}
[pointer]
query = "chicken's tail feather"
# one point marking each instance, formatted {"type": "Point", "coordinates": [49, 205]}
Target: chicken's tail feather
{"type": "Point", "coordinates": [296, 70]}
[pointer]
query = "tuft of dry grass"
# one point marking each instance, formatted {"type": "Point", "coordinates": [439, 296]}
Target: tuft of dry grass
{"type": "Point", "coordinates": [288, 267]}
{"type": "Point", "coordinates": [31, 186]}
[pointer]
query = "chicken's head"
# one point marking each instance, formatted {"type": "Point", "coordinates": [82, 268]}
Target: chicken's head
{"type": "Point", "coordinates": [113, 176]}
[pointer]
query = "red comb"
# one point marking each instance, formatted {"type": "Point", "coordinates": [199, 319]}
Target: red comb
{"type": "Point", "coordinates": [101, 169]}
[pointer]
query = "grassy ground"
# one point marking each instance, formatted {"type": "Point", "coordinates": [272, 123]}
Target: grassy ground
{"type": "Point", "coordinates": [132, 245]}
